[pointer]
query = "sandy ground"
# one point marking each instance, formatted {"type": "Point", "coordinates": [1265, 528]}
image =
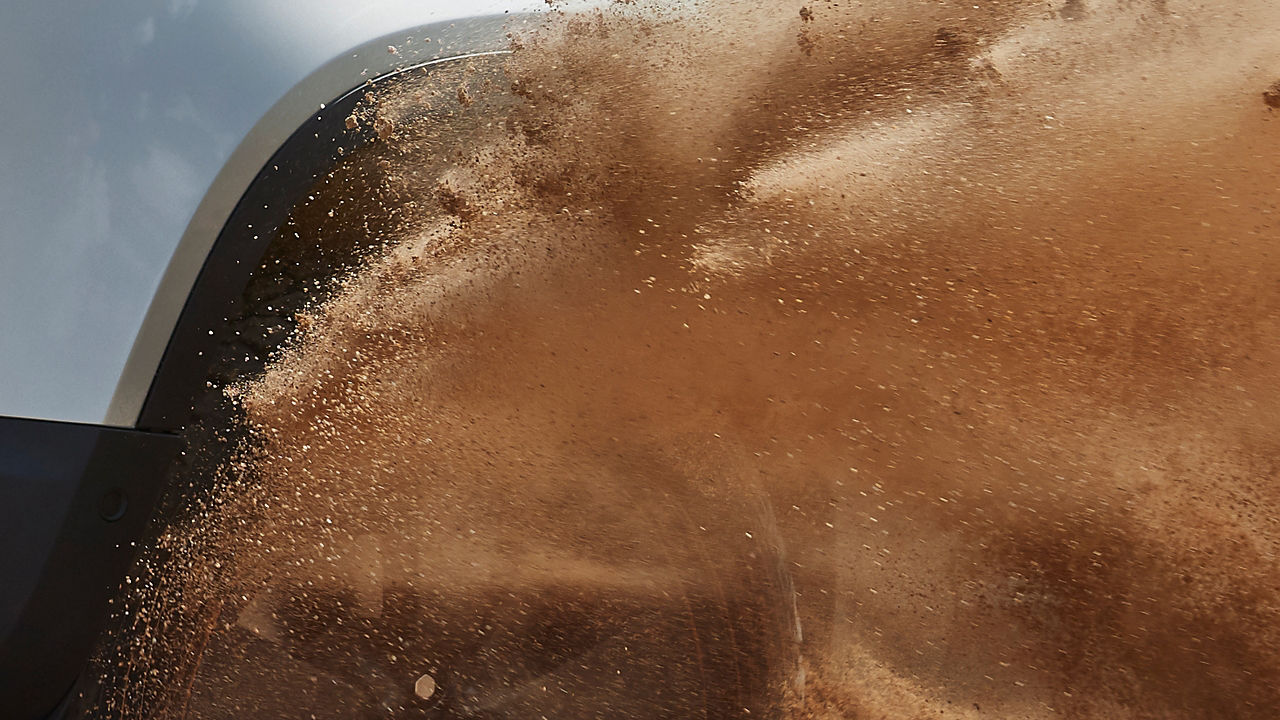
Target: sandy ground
{"type": "Point", "coordinates": [872, 360]}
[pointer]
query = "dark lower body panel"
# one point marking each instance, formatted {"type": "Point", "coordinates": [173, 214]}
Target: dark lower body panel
{"type": "Point", "coordinates": [75, 500]}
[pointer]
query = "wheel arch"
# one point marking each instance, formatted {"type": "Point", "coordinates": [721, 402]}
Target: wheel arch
{"type": "Point", "coordinates": [286, 151]}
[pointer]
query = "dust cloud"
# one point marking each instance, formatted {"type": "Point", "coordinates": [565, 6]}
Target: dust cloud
{"type": "Point", "coordinates": [884, 359]}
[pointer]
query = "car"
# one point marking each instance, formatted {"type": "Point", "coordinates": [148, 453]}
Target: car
{"type": "Point", "coordinates": [153, 150]}
{"type": "Point", "coordinates": [887, 358]}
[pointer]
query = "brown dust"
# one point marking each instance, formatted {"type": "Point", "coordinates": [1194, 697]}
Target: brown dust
{"type": "Point", "coordinates": [886, 359]}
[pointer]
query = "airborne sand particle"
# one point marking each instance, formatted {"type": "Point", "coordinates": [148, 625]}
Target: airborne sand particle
{"type": "Point", "coordinates": [920, 370]}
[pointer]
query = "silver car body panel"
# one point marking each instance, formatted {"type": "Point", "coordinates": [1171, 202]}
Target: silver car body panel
{"type": "Point", "coordinates": [134, 128]}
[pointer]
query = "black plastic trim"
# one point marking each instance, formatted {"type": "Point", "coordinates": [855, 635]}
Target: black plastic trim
{"type": "Point", "coordinates": [61, 560]}
{"type": "Point", "coordinates": [217, 295]}
{"type": "Point", "coordinates": [309, 153]}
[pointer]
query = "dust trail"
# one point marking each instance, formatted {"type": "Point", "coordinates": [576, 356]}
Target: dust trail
{"type": "Point", "coordinates": [883, 359]}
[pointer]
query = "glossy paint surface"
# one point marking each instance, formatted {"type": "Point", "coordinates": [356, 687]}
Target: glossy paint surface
{"type": "Point", "coordinates": [133, 128]}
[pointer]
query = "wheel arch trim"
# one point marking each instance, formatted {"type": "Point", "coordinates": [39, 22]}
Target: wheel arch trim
{"type": "Point", "coordinates": [310, 100]}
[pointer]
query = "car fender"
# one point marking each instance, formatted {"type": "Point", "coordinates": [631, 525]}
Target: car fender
{"type": "Point", "coordinates": [134, 129]}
